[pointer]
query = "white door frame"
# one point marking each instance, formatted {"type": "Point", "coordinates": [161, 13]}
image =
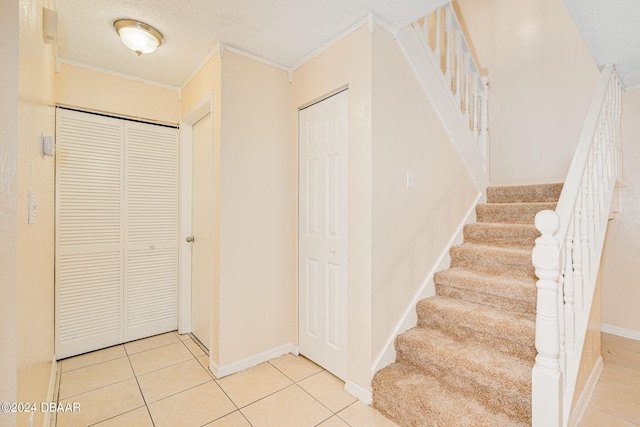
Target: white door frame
{"type": "Point", "coordinates": [199, 111]}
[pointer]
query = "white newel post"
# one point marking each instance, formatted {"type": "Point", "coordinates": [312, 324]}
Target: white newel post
{"type": "Point", "coordinates": [546, 375]}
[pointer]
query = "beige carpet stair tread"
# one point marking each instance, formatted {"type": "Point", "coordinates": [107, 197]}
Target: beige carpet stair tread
{"type": "Point", "coordinates": [524, 193]}
{"type": "Point", "coordinates": [501, 234]}
{"type": "Point", "coordinates": [510, 332]}
{"type": "Point", "coordinates": [505, 293]}
{"type": "Point", "coordinates": [412, 399]}
{"type": "Point", "coordinates": [478, 362]}
{"type": "Point", "coordinates": [514, 213]}
{"type": "Point", "coordinates": [507, 262]}
{"type": "Point", "coordinates": [497, 380]}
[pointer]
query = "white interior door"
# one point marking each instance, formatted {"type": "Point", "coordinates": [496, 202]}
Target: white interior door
{"type": "Point", "coordinates": [322, 231]}
{"type": "Point", "coordinates": [202, 230]}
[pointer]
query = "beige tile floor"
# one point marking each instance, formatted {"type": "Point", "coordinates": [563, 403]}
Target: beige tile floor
{"type": "Point", "coordinates": [163, 381]}
{"type": "Point", "coordinates": [616, 399]}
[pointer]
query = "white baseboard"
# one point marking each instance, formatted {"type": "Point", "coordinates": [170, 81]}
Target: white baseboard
{"type": "Point", "coordinates": [585, 396]}
{"type": "Point", "coordinates": [248, 362]}
{"type": "Point", "coordinates": [427, 289]}
{"type": "Point", "coordinates": [361, 393]}
{"type": "Point", "coordinates": [621, 332]}
{"type": "Point", "coordinates": [53, 377]}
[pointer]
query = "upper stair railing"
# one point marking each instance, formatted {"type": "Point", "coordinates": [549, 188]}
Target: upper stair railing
{"type": "Point", "coordinates": [439, 51]}
{"type": "Point", "coordinates": [443, 34]}
{"type": "Point", "coordinates": [567, 255]}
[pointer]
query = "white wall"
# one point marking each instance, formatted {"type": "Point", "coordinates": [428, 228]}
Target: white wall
{"type": "Point", "coordinates": [9, 48]}
{"type": "Point", "coordinates": [255, 209]}
{"type": "Point", "coordinates": [542, 80]}
{"type": "Point", "coordinates": [411, 227]}
{"type": "Point", "coordinates": [345, 64]}
{"type": "Point", "coordinates": [620, 285]}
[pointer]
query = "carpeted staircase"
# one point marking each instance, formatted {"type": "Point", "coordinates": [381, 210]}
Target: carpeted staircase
{"type": "Point", "coordinates": [468, 361]}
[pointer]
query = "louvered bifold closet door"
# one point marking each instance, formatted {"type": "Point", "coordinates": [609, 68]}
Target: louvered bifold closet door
{"type": "Point", "coordinates": [151, 252]}
{"type": "Point", "coordinates": [89, 232]}
{"type": "Point", "coordinates": [117, 231]}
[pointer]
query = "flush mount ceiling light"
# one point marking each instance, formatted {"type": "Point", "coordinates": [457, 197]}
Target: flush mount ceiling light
{"type": "Point", "coordinates": [138, 36]}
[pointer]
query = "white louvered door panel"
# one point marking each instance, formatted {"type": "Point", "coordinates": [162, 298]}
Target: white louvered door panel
{"type": "Point", "coordinates": [89, 232]}
{"type": "Point", "coordinates": [116, 231]}
{"type": "Point", "coordinates": [151, 252]}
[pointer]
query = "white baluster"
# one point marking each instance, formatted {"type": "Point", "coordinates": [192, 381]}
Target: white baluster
{"type": "Point", "coordinates": [483, 137]}
{"type": "Point", "coordinates": [594, 211]}
{"type": "Point", "coordinates": [437, 51]}
{"type": "Point", "coordinates": [577, 254]}
{"type": "Point", "coordinates": [458, 66]}
{"type": "Point", "coordinates": [447, 46]}
{"type": "Point", "coordinates": [584, 236]}
{"type": "Point", "coordinates": [467, 69]}
{"type": "Point", "coordinates": [569, 287]}
{"type": "Point", "coordinates": [425, 29]}
{"type": "Point", "coordinates": [546, 376]}
{"type": "Point", "coordinates": [476, 102]}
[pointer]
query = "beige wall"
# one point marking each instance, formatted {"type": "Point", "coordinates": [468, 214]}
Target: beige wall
{"type": "Point", "coordinates": [620, 285]}
{"type": "Point", "coordinates": [9, 71]}
{"type": "Point", "coordinates": [255, 214]}
{"type": "Point", "coordinates": [91, 90]}
{"type": "Point", "coordinates": [346, 63]}
{"type": "Point", "coordinates": [542, 80]}
{"type": "Point", "coordinates": [208, 81]}
{"type": "Point", "coordinates": [251, 203]}
{"type": "Point", "coordinates": [35, 244]}
{"type": "Point", "coordinates": [411, 227]}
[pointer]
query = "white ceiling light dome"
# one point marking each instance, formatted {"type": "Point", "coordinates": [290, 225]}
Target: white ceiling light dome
{"type": "Point", "coordinates": [138, 36]}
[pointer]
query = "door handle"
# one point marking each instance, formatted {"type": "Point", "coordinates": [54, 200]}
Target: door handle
{"type": "Point", "coordinates": [332, 250]}
{"type": "Point", "coordinates": [191, 239]}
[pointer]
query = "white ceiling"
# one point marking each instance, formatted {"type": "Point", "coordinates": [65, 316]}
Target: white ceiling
{"type": "Point", "coordinates": [281, 31]}
{"type": "Point", "coordinates": [285, 32]}
{"type": "Point", "coordinates": [611, 30]}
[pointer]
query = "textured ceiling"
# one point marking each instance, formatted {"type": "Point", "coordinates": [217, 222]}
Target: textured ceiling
{"type": "Point", "coordinates": [286, 31]}
{"type": "Point", "coordinates": [281, 31]}
{"type": "Point", "coordinates": [611, 30]}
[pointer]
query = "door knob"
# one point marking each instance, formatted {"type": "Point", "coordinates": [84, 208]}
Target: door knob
{"type": "Point", "coordinates": [190, 239]}
{"type": "Point", "coordinates": [332, 250]}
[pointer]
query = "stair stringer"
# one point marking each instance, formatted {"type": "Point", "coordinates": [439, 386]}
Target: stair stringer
{"type": "Point", "coordinates": [435, 85]}
{"type": "Point", "coordinates": [410, 318]}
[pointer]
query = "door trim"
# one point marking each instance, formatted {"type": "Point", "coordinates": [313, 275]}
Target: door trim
{"type": "Point", "coordinates": [199, 111]}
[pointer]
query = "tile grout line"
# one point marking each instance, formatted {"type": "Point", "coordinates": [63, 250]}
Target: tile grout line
{"type": "Point", "coordinates": [135, 375]}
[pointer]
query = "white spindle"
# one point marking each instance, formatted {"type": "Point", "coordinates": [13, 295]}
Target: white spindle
{"type": "Point", "coordinates": [568, 283]}
{"type": "Point", "coordinates": [447, 45]}
{"type": "Point", "coordinates": [426, 29]}
{"type": "Point", "coordinates": [467, 68]}
{"type": "Point", "coordinates": [476, 102]}
{"type": "Point", "coordinates": [577, 255]}
{"type": "Point", "coordinates": [483, 137]}
{"type": "Point", "coordinates": [584, 236]}
{"type": "Point", "coordinates": [458, 34]}
{"type": "Point", "coordinates": [437, 51]}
